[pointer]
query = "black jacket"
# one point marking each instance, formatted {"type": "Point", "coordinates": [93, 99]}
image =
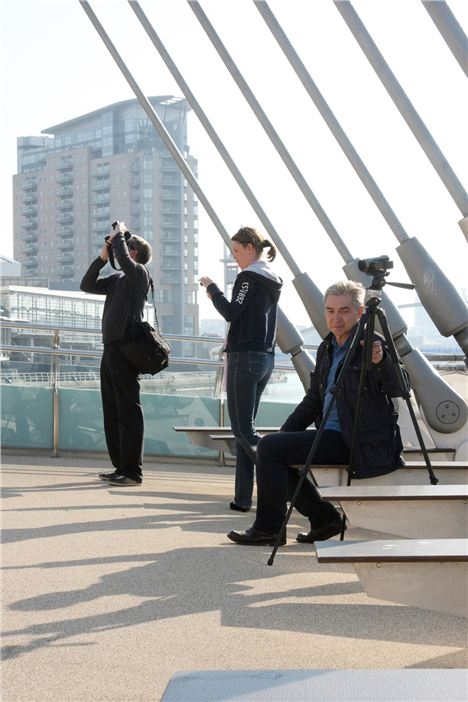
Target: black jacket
{"type": "Point", "coordinates": [252, 311]}
{"type": "Point", "coordinates": [378, 445]}
{"type": "Point", "coordinates": [126, 291]}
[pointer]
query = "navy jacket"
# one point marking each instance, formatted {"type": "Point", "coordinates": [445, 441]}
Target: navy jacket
{"type": "Point", "coordinates": [126, 291]}
{"type": "Point", "coordinates": [378, 445]}
{"type": "Point", "coordinates": [252, 311]}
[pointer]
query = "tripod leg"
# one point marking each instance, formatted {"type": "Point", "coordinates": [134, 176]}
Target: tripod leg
{"type": "Point", "coordinates": [303, 474]}
{"type": "Point", "coordinates": [306, 469]}
{"type": "Point", "coordinates": [405, 392]}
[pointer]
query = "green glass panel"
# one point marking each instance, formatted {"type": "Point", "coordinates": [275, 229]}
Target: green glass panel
{"type": "Point", "coordinates": [27, 414]}
{"type": "Point", "coordinates": [273, 414]}
{"type": "Point", "coordinates": [80, 420]}
{"type": "Point", "coordinates": [163, 412]}
{"type": "Point", "coordinates": [81, 423]}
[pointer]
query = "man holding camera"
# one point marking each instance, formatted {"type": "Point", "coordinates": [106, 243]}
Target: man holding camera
{"type": "Point", "coordinates": [378, 443]}
{"type": "Point", "coordinates": [126, 292]}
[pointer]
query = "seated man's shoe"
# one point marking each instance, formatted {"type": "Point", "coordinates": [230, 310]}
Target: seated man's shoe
{"type": "Point", "coordinates": [107, 476]}
{"type": "Point", "coordinates": [254, 537]}
{"type": "Point", "coordinates": [237, 508]}
{"type": "Point", "coordinates": [320, 534]}
{"type": "Point", "coordinates": [124, 481]}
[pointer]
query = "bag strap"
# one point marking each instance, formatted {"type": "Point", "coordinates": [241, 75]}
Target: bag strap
{"type": "Point", "coordinates": [156, 321]}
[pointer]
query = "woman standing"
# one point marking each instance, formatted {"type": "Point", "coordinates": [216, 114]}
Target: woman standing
{"type": "Point", "coordinates": [250, 344]}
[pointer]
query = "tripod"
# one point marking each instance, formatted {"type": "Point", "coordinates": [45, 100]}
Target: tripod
{"type": "Point", "coordinates": [364, 330]}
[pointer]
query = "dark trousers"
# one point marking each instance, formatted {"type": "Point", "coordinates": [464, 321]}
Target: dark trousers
{"type": "Point", "coordinates": [248, 372]}
{"type": "Point", "coordinates": [123, 414]}
{"type": "Point", "coordinates": [277, 481]}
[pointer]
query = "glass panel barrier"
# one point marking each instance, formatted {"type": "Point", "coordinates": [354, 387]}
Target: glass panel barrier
{"type": "Point", "coordinates": [81, 428]}
{"type": "Point", "coordinates": [80, 420]}
{"type": "Point", "coordinates": [27, 417]}
{"type": "Point", "coordinates": [162, 412]}
{"type": "Point", "coordinates": [51, 396]}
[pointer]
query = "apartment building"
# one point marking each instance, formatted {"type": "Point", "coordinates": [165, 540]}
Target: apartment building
{"type": "Point", "coordinates": [78, 177]}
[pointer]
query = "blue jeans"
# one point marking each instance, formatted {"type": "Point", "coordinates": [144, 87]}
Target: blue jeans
{"type": "Point", "coordinates": [247, 374]}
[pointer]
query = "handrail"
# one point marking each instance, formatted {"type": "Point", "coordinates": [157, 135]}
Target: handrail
{"type": "Point", "coordinates": [55, 350]}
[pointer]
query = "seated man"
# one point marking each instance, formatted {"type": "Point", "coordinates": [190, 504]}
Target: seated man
{"type": "Point", "coordinates": [378, 445]}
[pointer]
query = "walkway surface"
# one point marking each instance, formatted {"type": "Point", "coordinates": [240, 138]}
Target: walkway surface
{"type": "Point", "coordinates": [108, 592]}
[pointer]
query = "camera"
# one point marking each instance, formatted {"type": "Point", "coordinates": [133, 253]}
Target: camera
{"type": "Point", "coordinates": [375, 266]}
{"type": "Point", "coordinates": [121, 226]}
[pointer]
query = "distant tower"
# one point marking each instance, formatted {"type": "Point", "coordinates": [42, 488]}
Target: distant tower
{"type": "Point", "coordinates": [106, 165]}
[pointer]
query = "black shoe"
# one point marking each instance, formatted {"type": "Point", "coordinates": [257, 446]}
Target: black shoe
{"type": "Point", "coordinates": [320, 534]}
{"type": "Point", "coordinates": [254, 537]}
{"type": "Point", "coordinates": [107, 476]}
{"type": "Point", "coordinates": [236, 508]}
{"type": "Point", "coordinates": [123, 480]}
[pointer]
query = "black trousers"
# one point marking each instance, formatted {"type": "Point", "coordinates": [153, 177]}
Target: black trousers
{"type": "Point", "coordinates": [122, 411]}
{"type": "Point", "coordinates": [277, 481]}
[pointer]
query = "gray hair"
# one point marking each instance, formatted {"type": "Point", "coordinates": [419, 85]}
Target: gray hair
{"type": "Point", "coordinates": [348, 287]}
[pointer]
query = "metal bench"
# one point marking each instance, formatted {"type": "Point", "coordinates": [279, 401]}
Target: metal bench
{"type": "Point", "coordinates": [201, 436]}
{"type": "Point", "coordinates": [225, 442]}
{"type": "Point", "coordinates": [214, 437]}
{"type": "Point", "coordinates": [222, 439]}
{"type": "Point", "coordinates": [427, 573]}
{"type": "Point", "coordinates": [413, 511]}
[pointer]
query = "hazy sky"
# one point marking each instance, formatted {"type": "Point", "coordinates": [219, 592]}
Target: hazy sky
{"type": "Point", "coordinates": [54, 67]}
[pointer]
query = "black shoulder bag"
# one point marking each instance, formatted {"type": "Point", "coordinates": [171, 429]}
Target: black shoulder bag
{"type": "Point", "coordinates": [144, 346]}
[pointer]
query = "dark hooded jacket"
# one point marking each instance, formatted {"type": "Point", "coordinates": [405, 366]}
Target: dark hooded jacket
{"type": "Point", "coordinates": [252, 312]}
{"type": "Point", "coordinates": [378, 445]}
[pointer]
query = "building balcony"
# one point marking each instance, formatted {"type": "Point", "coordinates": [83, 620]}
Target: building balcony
{"type": "Point", "coordinates": [65, 218]}
{"type": "Point", "coordinates": [66, 271]}
{"type": "Point", "coordinates": [169, 279]}
{"type": "Point", "coordinates": [30, 223]}
{"type": "Point", "coordinates": [64, 178]}
{"type": "Point", "coordinates": [29, 237]}
{"type": "Point", "coordinates": [65, 192]}
{"type": "Point", "coordinates": [29, 185]}
{"type": "Point", "coordinates": [65, 165]}
{"type": "Point", "coordinates": [103, 184]}
{"type": "Point", "coordinates": [65, 257]}
{"type": "Point", "coordinates": [30, 199]}
{"type": "Point", "coordinates": [65, 205]}
{"type": "Point", "coordinates": [65, 245]}
{"type": "Point", "coordinates": [101, 200]}
{"type": "Point", "coordinates": [29, 211]}
{"type": "Point", "coordinates": [102, 216]}
{"type": "Point", "coordinates": [30, 249]}
{"type": "Point", "coordinates": [101, 227]}
{"type": "Point", "coordinates": [31, 263]}
{"type": "Point", "coordinates": [63, 232]}
{"type": "Point", "coordinates": [101, 172]}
